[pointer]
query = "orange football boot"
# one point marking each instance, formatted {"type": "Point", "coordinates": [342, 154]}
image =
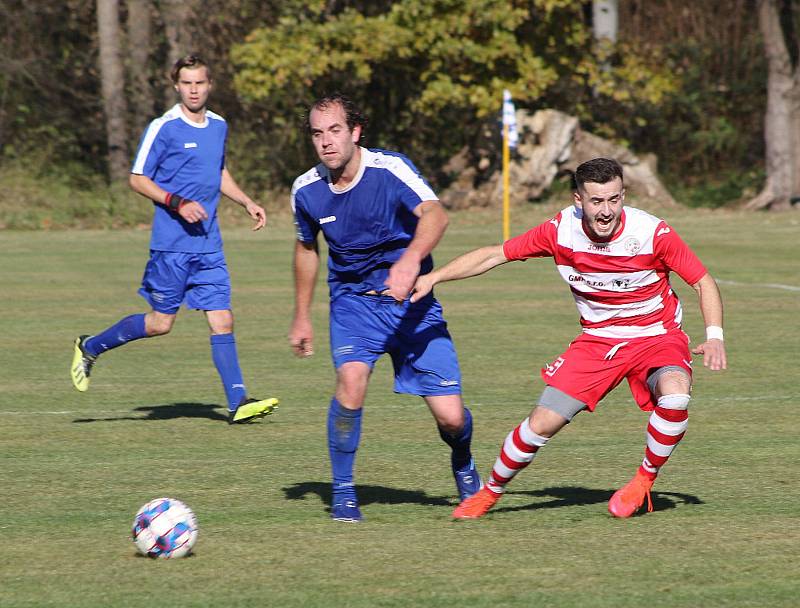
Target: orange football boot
{"type": "Point", "coordinates": [630, 497]}
{"type": "Point", "coordinates": [476, 505]}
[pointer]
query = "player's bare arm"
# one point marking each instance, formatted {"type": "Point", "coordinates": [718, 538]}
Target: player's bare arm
{"type": "Point", "coordinates": [306, 265]}
{"type": "Point", "coordinates": [191, 211]}
{"type": "Point", "coordinates": [713, 349]}
{"type": "Point", "coordinates": [432, 224]}
{"type": "Point", "coordinates": [468, 265]}
{"type": "Point", "coordinates": [231, 189]}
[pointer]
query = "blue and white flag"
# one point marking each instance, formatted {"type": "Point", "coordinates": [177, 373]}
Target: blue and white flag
{"type": "Point", "coordinates": [510, 119]}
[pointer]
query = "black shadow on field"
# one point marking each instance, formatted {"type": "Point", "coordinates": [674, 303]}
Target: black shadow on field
{"type": "Point", "coordinates": [570, 496]}
{"type": "Point", "coordinates": [366, 494]}
{"type": "Point", "coordinates": [168, 412]}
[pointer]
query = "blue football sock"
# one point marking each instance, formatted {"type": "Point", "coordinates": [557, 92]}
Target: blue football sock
{"type": "Point", "coordinates": [460, 442]}
{"type": "Point", "coordinates": [344, 432]}
{"type": "Point", "coordinates": [223, 352]}
{"type": "Point", "coordinates": [123, 331]}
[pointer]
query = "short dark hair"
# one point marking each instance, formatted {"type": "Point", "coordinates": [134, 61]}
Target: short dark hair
{"type": "Point", "coordinates": [188, 61]}
{"type": "Point", "coordinates": [597, 171]}
{"type": "Point", "coordinates": [352, 112]}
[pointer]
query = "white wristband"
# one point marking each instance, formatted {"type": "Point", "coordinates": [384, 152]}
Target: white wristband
{"type": "Point", "coordinates": [714, 332]}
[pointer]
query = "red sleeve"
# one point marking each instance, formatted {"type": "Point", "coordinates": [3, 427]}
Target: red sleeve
{"type": "Point", "coordinates": [538, 242]}
{"type": "Point", "coordinates": [675, 253]}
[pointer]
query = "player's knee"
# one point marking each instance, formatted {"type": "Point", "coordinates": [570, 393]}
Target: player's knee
{"type": "Point", "coordinates": [451, 427]}
{"type": "Point", "coordinates": [668, 380]}
{"type": "Point", "coordinates": [351, 385]}
{"type": "Point", "coordinates": [158, 326]}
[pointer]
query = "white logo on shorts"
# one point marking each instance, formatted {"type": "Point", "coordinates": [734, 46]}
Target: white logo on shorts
{"type": "Point", "coordinates": [448, 383]}
{"type": "Point", "coordinates": [327, 220]}
{"type": "Point", "coordinates": [551, 369]}
{"type": "Point", "coordinates": [190, 144]}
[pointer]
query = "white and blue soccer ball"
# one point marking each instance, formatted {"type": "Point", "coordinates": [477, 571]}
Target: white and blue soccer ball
{"type": "Point", "coordinates": [165, 528]}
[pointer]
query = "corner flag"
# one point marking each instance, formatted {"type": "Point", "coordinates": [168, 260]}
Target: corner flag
{"type": "Point", "coordinates": [510, 138]}
{"type": "Point", "coordinates": [510, 119]}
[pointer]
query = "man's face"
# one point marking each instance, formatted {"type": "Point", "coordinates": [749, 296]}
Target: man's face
{"type": "Point", "coordinates": [193, 86]}
{"type": "Point", "coordinates": [602, 208]}
{"type": "Point", "coordinates": [333, 140]}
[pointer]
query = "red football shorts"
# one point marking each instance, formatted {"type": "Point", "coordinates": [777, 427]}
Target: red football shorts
{"type": "Point", "coordinates": [592, 367]}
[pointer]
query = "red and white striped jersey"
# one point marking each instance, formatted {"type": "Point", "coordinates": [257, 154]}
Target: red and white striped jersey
{"type": "Point", "coordinates": [621, 287]}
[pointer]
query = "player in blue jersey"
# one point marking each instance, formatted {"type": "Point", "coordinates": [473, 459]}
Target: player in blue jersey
{"type": "Point", "coordinates": [381, 221]}
{"type": "Point", "coordinates": [180, 166]}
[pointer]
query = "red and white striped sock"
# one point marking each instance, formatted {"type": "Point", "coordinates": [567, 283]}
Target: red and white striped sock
{"type": "Point", "coordinates": [665, 429]}
{"type": "Point", "coordinates": [518, 451]}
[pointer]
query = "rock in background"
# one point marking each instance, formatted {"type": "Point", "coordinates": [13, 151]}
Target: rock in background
{"type": "Point", "coordinates": [551, 144]}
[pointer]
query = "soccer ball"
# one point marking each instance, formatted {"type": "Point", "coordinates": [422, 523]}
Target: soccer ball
{"type": "Point", "coordinates": [165, 528]}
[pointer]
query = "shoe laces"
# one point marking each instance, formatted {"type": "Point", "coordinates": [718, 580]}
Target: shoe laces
{"type": "Point", "coordinates": [88, 362]}
{"type": "Point", "coordinates": [484, 497]}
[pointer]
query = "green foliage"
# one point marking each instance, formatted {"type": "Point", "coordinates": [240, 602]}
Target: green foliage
{"type": "Point", "coordinates": [710, 126]}
{"type": "Point", "coordinates": [685, 81]}
{"type": "Point", "coordinates": [36, 195]}
{"type": "Point", "coordinates": [718, 189]}
{"type": "Point", "coordinates": [436, 70]}
{"type": "Point", "coordinates": [50, 91]}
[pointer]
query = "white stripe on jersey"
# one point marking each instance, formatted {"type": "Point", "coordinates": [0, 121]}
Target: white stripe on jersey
{"type": "Point", "coordinates": [150, 136]}
{"type": "Point", "coordinates": [597, 312]}
{"type": "Point", "coordinates": [626, 332]}
{"type": "Point", "coordinates": [617, 286]}
{"type": "Point", "coordinates": [309, 177]}
{"type": "Point", "coordinates": [154, 127]}
{"type": "Point", "coordinates": [637, 238]}
{"type": "Point", "coordinates": [402, 171]}
{"type": "Point", "coordinates": [601, 282]}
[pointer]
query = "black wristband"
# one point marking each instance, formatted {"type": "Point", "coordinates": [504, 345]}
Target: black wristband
{"type": "Point", "coordinates": [173, 202]}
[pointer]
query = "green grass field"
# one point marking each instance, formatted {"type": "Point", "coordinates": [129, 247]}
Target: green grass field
{"type": "Point", "coordinates": [74, 468]}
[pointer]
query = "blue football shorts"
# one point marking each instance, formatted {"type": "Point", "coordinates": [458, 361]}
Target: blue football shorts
{"type": "Point", "coordinates": [364, 327]}
{"type": "Point", "coordinates": [201, 279]}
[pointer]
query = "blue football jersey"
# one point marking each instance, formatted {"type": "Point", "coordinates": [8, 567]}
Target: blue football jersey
{"type": "Point", "coordinates": [184, 158]}
{"type": "Point", "coordinates": [368, 224]}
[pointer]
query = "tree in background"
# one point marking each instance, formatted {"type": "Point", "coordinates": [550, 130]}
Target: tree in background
{"type": "Point", "coordinates": [686, 81]}
{"type": "Point", "coordinates": [778, 20]}
{"type": "Point", "coordinates": [113, 88]}
{"type": "Point", "coordinates": [140, 27]}
{"type": "Point", "coordinates": [708, 133]}
{"type": "Point", "coordinates": [434, 70]}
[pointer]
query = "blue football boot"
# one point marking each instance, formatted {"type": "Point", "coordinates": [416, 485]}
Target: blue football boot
{"type": "Point", "coordinates": [468, 481]}
{"type": "Point", "coordinates": [345, 508]}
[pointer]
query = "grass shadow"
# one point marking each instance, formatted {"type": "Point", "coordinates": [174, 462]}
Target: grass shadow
{"type": "Point", "coordinates": [366, 494]}
{"type": "Point", "coordinates": [167, 412]}
{"type": "Point", "coordinates": [571, 496]}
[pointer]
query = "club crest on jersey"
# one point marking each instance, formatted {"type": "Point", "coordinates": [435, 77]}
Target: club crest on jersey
{"type": "Point", "coordinates": [632, 245]}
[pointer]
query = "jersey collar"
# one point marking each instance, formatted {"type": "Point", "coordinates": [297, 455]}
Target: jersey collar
{"type": "Point", "coordinates": [357, 177]}
{"type": "Point", "coordinates": [191, 123]}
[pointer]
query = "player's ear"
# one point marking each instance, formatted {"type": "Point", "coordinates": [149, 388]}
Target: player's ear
{"type": "Point", "coordinates": [356, 134]}
{"type": "Point", "coordinates": [576, 197]}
